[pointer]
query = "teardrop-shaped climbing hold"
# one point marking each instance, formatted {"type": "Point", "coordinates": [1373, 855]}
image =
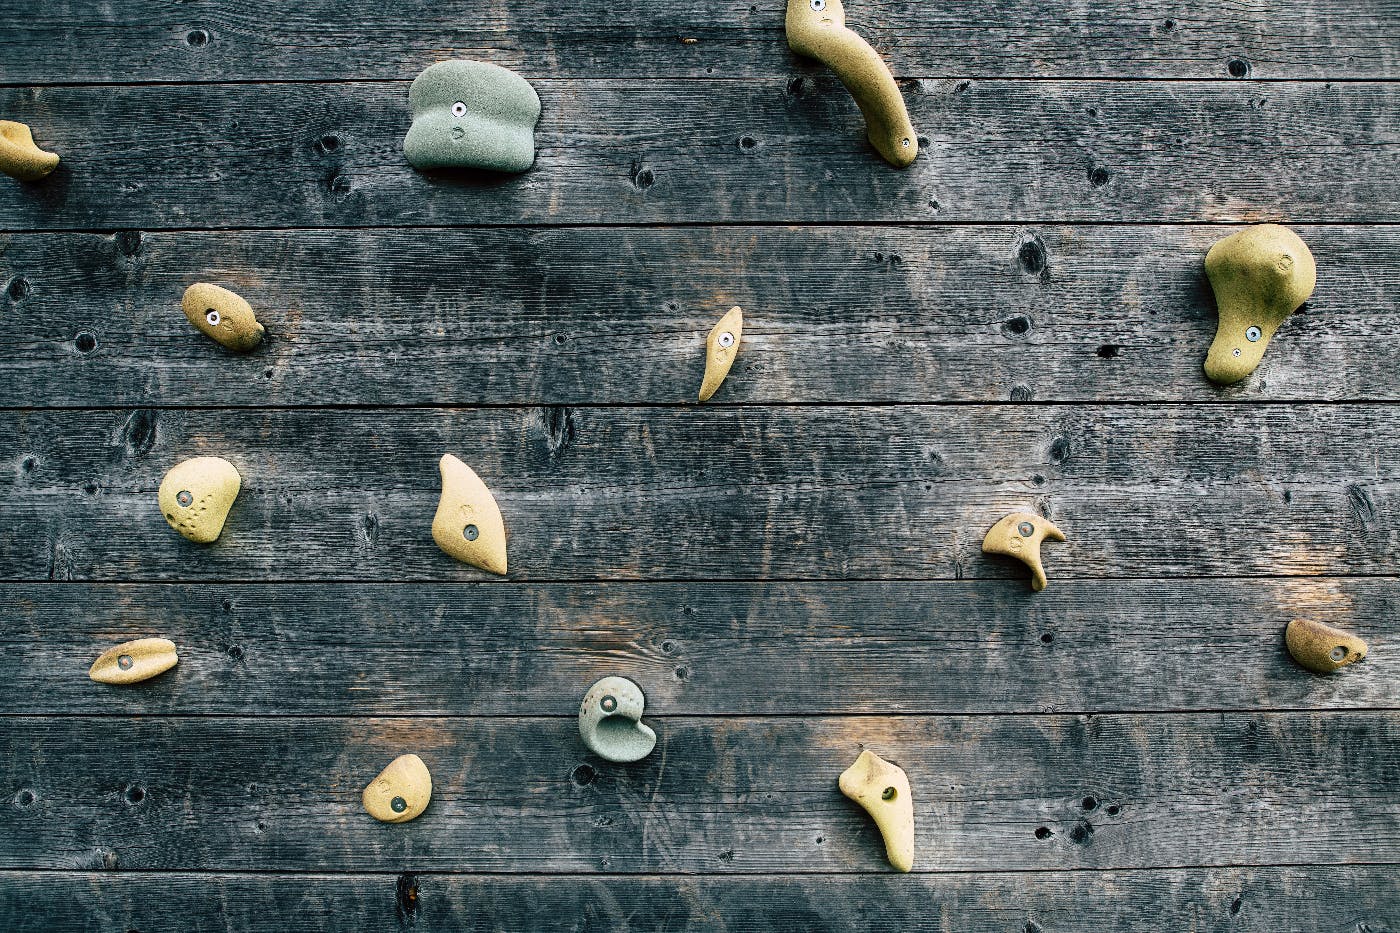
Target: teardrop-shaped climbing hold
{"type": "Point", "coordinates": [1019, 535]}
{"type": "Point", "coordinates": [468, 523]}
{"type": "Point", "coordinates": [196, 495]}
{"type": "Point", "coordinates": [223, 315]}
{"type": "Point", "coordinates": [19, 156]}
{"type": "Point", "coordinates": [721, 347]}
{"type": "Point", "coordinates": [1322, 648]}
{"type": "Point", "coordinates": [400, 792]}
{"type": "Point", "coordinates": [134, 661]}
{"type": "Point", "coordinates": [882, 789]}
{"type": "Point", "coordinates": [610, 721]}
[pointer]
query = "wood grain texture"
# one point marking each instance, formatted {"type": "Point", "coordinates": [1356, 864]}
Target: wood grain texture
{"type": "Point", "coordinates": [619, 316]}
{"type": "Point", "coordinates": [692, 150]}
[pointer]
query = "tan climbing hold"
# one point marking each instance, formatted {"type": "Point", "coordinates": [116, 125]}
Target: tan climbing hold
{"type": "Point", "coordinates": [1322, 648]}
{"type": "Point", "coordinates": [401, 792]}
{"type": "Point", "coordinates": [223, 315]}
{"type": "Point", "coordinates": [134, 661]}
{"type": "Point", "coordinates": [1019, 535]}
{"type": "Point", "coordinates": [19, 157]}
{"type": "Point", "coordinates": [468, 523]}
{"type": "Point", "coordinates": [195, 497]}
{"type": "Point", "coordinates": [882, 789]}
{"type": "Point", "coordinates": [721, 347]}
{"type": "Point", "coordinates": [1260, 276]}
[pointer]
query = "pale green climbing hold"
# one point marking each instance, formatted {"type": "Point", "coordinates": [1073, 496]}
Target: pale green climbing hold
{"type": "Point", "coordinates": [610, 721]}
{"type": "Point", "coordinates": [472, 115]}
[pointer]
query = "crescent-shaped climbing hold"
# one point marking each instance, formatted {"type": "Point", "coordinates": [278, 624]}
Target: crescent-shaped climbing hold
{"type": "Point", "coordinates": [19, 156]}
{"type": "Point", "coordinates": [468, 523]}
{"type": "Point", "coordinates": [219, 313]}
{"type": "Point", "coordinates": [196, 495]}
{"type": "Point", "coordinates": [472, 115]}
{"type": "Point", "coordinates": [1019, 535]}
{"type": "Point", "coordinates": [817, 29]}
{"type": "Point", "coordinates": [1260, 276]}
{"type": "Point", "coordinates": [610, 721]}
{"type": "Point", "coordinates": [721, 347]}
{"type": "Point", "coordinates": [400, 792]}
{"type": "Point", "coordinates": [1322, 648]}
{"type": "Point", "coordinates": [134, 661]}
{"type": "Point", "coordinates": [882, 790]}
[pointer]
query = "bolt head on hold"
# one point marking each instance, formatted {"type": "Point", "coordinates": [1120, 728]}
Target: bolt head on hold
{"type": "Point", "coordinates": [1253, 335]}
{"type": "Point", "coordinates": [610, 721]}
{"type": "Point", "coordinates": [470, 532]}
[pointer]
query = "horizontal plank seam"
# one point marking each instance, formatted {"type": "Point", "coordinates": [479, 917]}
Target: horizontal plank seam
{"type": "Point", "coordinates": [1064, 576]}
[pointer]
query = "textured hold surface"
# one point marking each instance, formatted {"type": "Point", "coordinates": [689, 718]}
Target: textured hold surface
{"type": "Point", "coordinates": [400, 792]}
{"type": "Point", "coordinates": [134, 661]}
{"type": "Point", "coordinates": [610, 721]}
{"type": "Point", "coordinates": [882, 789]}
{"type": "Point", "coordinates": [721, 348]}
{"type": "Point", "coordinates": [817, 29]}
{"type": "Point", "coordinates": [223, 315]}
{"type": "Point", "coordinates": [468, 523]}
{"type": "Point", "coordinates": [1260, 276]}
{"type": "Point", "coordinates": [472, 115]}
{"type": "Point", "coordinates": [19, 156]}
{"type": "Point", "coordinates": [196, 495]}
{"type": "Point", "coordinates": [1322, 648]}
{"type": "Point", "coordinates": [1019, 535]}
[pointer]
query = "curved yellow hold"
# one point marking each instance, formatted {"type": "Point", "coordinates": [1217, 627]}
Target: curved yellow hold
{"type": "Point", "coordinates": [817, 29]}
{"type": "Point", "coordinates": [1019, 535]}
{"type": "Point", "coordinates": [19, 156]}
{"type": "Point", "coordinates": [1322, 648]}
{"type": "Point", "coordinates": [223, 315]}
{"type": "Point", "coordinates": [468, 523]}
{"type": "Point", "coordinates": [882, 789]}
{"type": "Point", "coordinates": [134, 661]}
{"type": "Point", "coordinates": [721, 348]}
{"type": "Point", "coordinates": [401, 791]}
{"type": "Point", "coordinates": [196, 495]}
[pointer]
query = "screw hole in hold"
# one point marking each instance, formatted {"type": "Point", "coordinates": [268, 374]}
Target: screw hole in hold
{"type": "Point", "coordinates": [459, 109]}
{"type": "Point", "coordinates": [197, 37]}
{"type": "Point", "coordinates": [470, 532]}
{"type": "Point", "coordinates": [583, 775]}
{"type": "Point", "coordinates": [747, 142]}
{"type": "Point", "coordinates": [19, 288]}
{"type": "Point", "coordinates": [889, 793]}
{"type": "Point", "coordinates": [1338, 653]}
{"type": "Point", "coordinates": [184, 497]}
{"type": "Point", "coordinates": [1238, 67]}
{"type": "Point", "coordinates": [1108, 351]}
{"type": "Point", "coordinates": [1042, 832]}
{"type": "Point", "coordinates": [1088, 803]}
{"type": "Point", "coordinates": [85, 342]}
{"type": "Point", "coordinates": [1047, 638]}
{"type": "Point", "coordinates": [398, 805]}
{"type": "Point", "coordinates": [125, 662]}
{"type": "Point", "coordinates": [1235, 352]}
{"type": "Point", "coordinates": [1099, 176]}
{"type": "Point", "coordinates": [135, 793]}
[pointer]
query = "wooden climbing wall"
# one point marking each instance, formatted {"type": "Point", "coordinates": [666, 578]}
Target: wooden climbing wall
{"type": "Point", "coordinates": [791, 572]}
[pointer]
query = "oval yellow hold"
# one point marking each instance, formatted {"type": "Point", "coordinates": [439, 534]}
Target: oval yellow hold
{"type": "Point", "coordinates": [468, 523]}
{"type": "Point", "coordinates": [134, 661]}
{"type": "Point", "coordinates": [721, 349]}
{"type": "Point", "coordinates": [1322, 648]}
{"type": "Point", "coordinates": [400, 792]}
{"type": "Point", "coordinates": [1019, 535]}
{"type": "Point", "coordinates": [882, 789]}
{"type": "Point", "coordinates": [19, 156]}
{"type": "Point", "coordinates": [196, 495]}
{"type": "Point", "coordinates": [223, 315]}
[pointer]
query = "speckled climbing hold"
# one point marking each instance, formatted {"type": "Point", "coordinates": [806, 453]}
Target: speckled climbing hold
{"type": "Point", "coordinates": [196, 495]}
{"type": "Point", "coordinates": [19, 156]}
{"type": "Point", "coordinates": [472, 115]}
{"type": "Point", "coordinates": [1322, 648]}
{"type": "Point", "coordinates": [134, 661]}
{"type": "Point", "coordinates": [882, 789]}
{"type": "Point", "coordinates": [1019, 535]}
{"type": "Point", "coordinates": [1260, 276]}
{"type": "Point", "coordinates": [721, 347]}
{"type": "Point", "coordinates": [400, 792]}
{"type": "Point", "coordinates": [223, 315]}
{"type": "Point", "coordinates": [468, 524]}
{"type": "Point", "coordinates": [610, 721]}
{"type": "Point", "coordinates": [817, 29]}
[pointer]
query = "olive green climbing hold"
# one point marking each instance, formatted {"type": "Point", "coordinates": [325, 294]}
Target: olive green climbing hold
{"type": "Point", "coordinates": [195, 497]}
{"type": "Point", "coordinates": [721, 347]}
{"type": "Point", "coordinates": [472, 115]}
{"type": "Point", "coordinates": [468, 523]}
{"type": "Point", "coordinates": [400, 792]}
{"type": "Point", "coordinates": [817, 29]}
{"type": "Point", "coordinates": [223, 315]}
{"type": "Point", "coordinates": [1019, 535]}
{"type": "Point", "coordinates": [610, 721]}
{"type": "Point", "coordinates": [134, 661]}
{"type": "Point", "coordinates": [19, 156]}
{"type": "Point", "coordinates": [882, 789]}
{"type": "Point", "coordinates": [1322, 648]}
{"type": "Point", "coordinates": [1260, 276]}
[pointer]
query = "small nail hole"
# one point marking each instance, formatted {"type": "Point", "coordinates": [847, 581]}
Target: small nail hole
{"type": "Point", "coordinates": [1238, 68]}
{"type": "Point", "coordinates": [1088, 803]}
{"type": "Point", "coordinates": [197, 37]}
{"type": "Point", "coordinates": [85, 342]}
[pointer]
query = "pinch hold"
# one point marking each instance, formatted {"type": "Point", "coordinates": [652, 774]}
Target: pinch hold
{"type": "Point", "coordinates": [470, 114]}
{"type": "Point", "coordinates": [134, 661]}
{"type": "Point", "coordinates": [468, 523]}
{"type": "Point", "coordinates": [1322, 648]}
{"type": "Point", "coordinates": [401, 791]}
{"type": "Point", "coordinates": [610, 721]}
{"type": "Point", "coordinates": [1019, 535]}
{"type": "Point", "coordinates": [20, 157]}
{"type": "Point", "coordinates": [882, 790]}
{"type": "Point", "coordinates": [196, 495]}
{"type": "Point", "coordinates": [223, 315]}
{"type": "Point", "coordinates": [721, 349]}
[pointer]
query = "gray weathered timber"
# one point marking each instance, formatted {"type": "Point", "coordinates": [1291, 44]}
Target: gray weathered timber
{"type": "Point", "coordinates": [619, 315]}
{"type": "Point", "coordinates": [686, 150]}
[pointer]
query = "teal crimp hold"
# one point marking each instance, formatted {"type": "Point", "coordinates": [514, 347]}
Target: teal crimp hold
{"type": "Point", "coordinates": [472, 115]}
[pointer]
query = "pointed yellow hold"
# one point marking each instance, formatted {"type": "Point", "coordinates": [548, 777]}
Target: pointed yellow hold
{"type": "Point", "coordinates": [1019, 535]}
{"type": "Point", "coordinates": [1322, 648]}
{"type": "Point", "coordinates": [400, 792]}
{"type": "Point", "coordinates": [195, 497]}
{"type": "Point", "coordinates": [134, 661]}
{"type": "Point", "coordinates": [223, 315]}
{"type": "Point", "coordinates": [468, 523]}
{"type": "Point", "coordinates": [721, 347]}
{"type": "Point", "coordinates": [19, 156]}
{"type": "Point", "coordinates": [882, 789]}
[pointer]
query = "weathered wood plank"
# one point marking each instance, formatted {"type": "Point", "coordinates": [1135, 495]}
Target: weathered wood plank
{"type": "Point", "coordinates": [618, 315]}
{"type": "Point", "coordinates": [687, 150]}
{"type": "Point", "coordinates": [700, 648]}
{"type": "Point", "coordinates": [738, 794]}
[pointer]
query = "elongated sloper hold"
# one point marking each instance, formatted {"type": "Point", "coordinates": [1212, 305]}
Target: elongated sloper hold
{"type": "Point", "coordinates": [1322, 648]}
{"type": "Point", "coordinates": [19, 157]}
{"type": "Point", "coordinates": [468, 523]}
{"type": "Point", "coordinates": [1019, 535]}
{"type": "Point", "coordinates": [610, 721]}
{"type": "Point", "coordinates": [817, 29]}
{"type": "Point", "coordinates": [721, 347]}
{"type": "Point", "coordinates": [400, 792]}
{"type": "Point", "coordinates": [134, 661]}
{"type": "Point", "coordinates": [882, 789]}
{"type": "Point", "coordinates": [223, 315]}
{"type": "Point", "coordinates": [196, 495]}
{"type": "Point", "coordinates": [1260, 276]}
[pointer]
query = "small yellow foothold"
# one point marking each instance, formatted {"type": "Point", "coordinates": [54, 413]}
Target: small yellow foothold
{"type": "Point", "coordinates": [882, 789]}
{"type": "Point", "coordinates": [468, 523]}
{"type": "Point", "coordinates": [400, 792]}
{"type": "Point", "coordinates": [134, 661]}
{"type": "Point", "coordinates": [721, 347]}
{"type": "Point", "coordinates": [20, 157]}
{"type": "Point", "coordinates": [223, 315]}
{"type": "Point", "coordinates": [1322, 648]}
{"type": "Point", "coordinates": [1019, 535]}
{"type": "Point", "coordinates": [196, 495]}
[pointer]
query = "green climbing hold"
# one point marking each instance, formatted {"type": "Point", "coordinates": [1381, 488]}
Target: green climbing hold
{"type": "Point", "coordinates": [472, 115]}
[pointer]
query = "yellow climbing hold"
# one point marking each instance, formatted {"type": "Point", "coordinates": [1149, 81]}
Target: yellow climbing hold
{"type": "Point", "coordinates": [400, 792]}
{"type": "Point", "coordinates": [134, 661]}
{"type": "Point", "coordinates": [468, 523]}
{"type": "Point", "coordinates": [882, 789]}
{"type": "Point", "coordinates": [19, 156]}
{"type": "Point", "coordinates": [1322, 648]}
{"type": "Point", "coordinates": [1019, 535]}
{"type": "Point", "coordinates": [721, 347]}
{"type": "Point", "coordinates": [223, 315]}
{"type": "Point", "coordinates": [195, 497]}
